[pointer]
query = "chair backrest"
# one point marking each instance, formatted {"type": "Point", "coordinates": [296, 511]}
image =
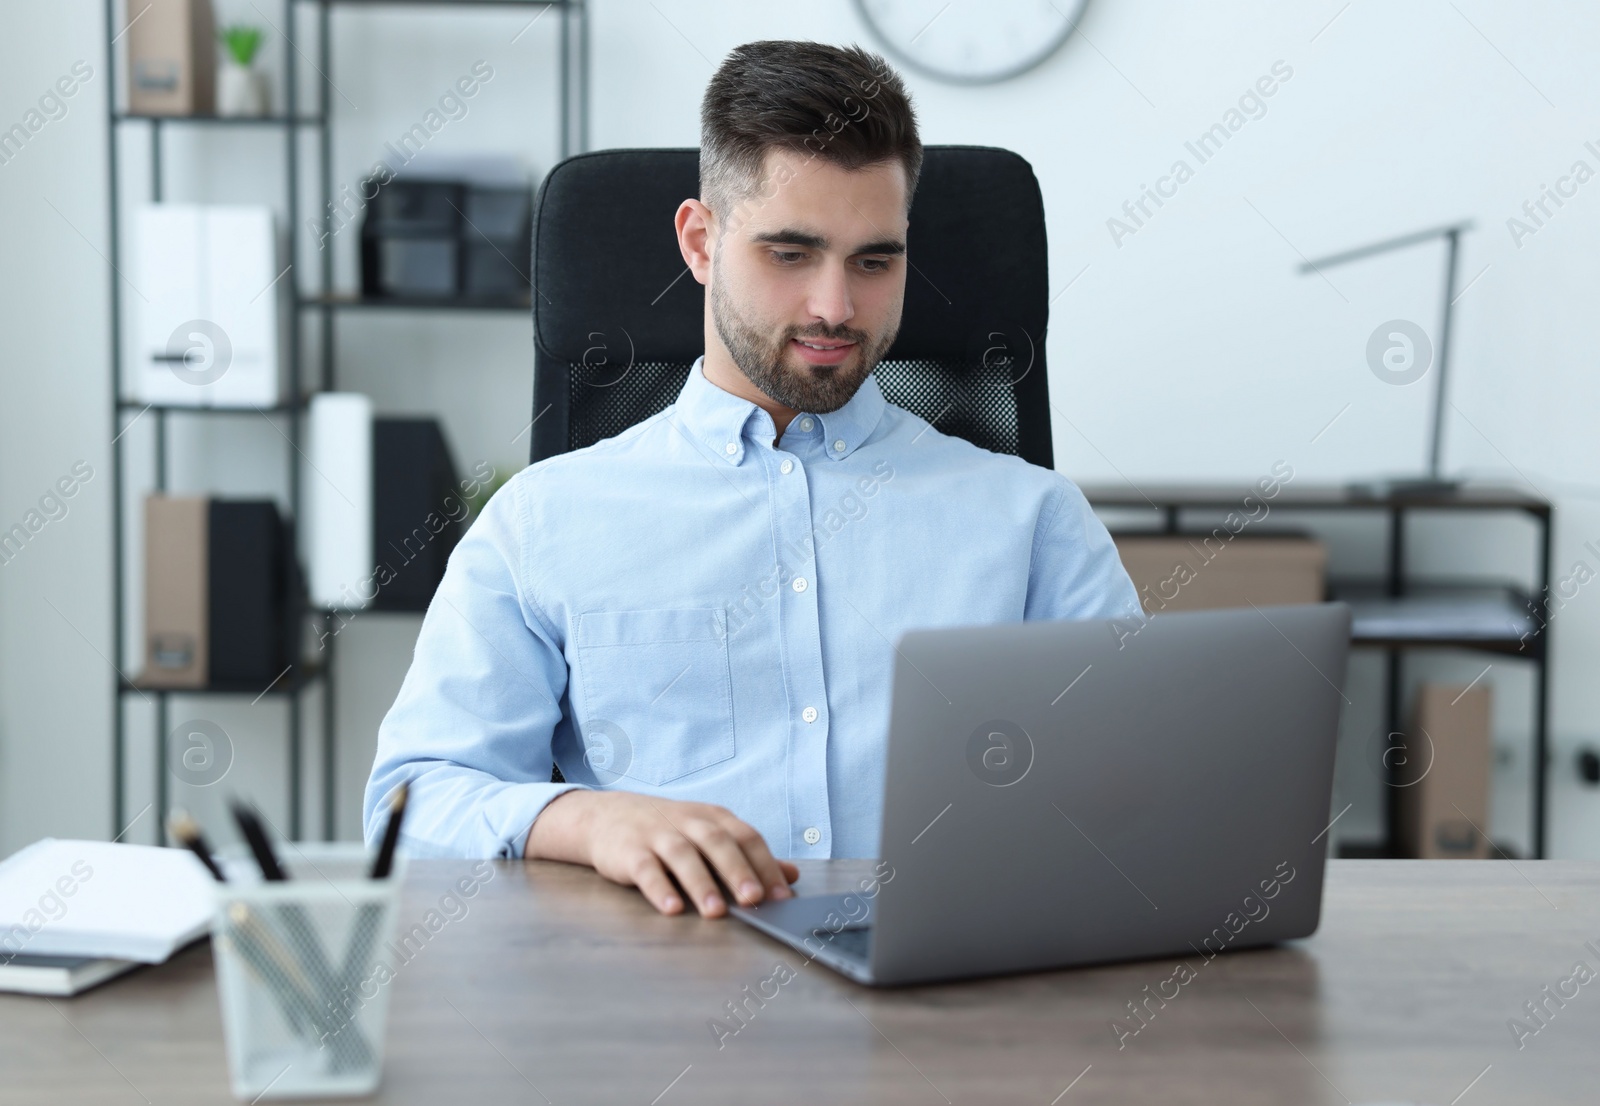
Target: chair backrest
{"type": "Point", "coordinates": [618, 320]}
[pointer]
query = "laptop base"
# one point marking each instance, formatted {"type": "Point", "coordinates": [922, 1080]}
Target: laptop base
{"type": "Point", "coordinates": [832, 929]}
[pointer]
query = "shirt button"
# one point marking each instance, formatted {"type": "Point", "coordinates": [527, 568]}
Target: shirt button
{"type": "Point", "coordinates": [809, 714]}
{"type": "Point", "coordinates": [812, 835]}
{"type": "Point", "coordinates": [805, 424]}
{"type": "Point", "coordinates": [730, 449]}
{"type": "Point", "coordinates": [838, 446]}
{"type": "Point", "coordinates": [799, 583]}
{"type": "Point", "coordinates": [786, 468]}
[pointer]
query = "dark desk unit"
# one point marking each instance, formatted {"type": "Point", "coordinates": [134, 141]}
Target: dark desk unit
{"type": "Point", "coordinates": [1397, 611]}
{"type": "Point", "coordinates": [552, 984]}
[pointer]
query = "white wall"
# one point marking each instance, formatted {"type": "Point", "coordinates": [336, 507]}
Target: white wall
{"type": "Point", "coordinates": [55, 620]}
{"type": "Point", "coordinates": [1191, 349]}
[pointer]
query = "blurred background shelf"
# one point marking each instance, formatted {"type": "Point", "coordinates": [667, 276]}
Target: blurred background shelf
{"type": "Point", "coordinates": [1397, 612]}
{"type": "Point", "coordinates": [1441, 614]}
{"type": "Point", "coordinates": [1171, 499]}
{"type": "Point", "coordinates": [220, 120]}
{"type": "Point", "coordinates": [190, 409]}
{"type": "Point", "coordinates": [290, 682]}
{"type": "Point", "coordinates": [417, 303]}
{"type": "Point", "coordinates": [309, 358]}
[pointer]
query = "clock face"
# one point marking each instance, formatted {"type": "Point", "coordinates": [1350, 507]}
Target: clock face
{"type": "Point", "coordinates": [972, 41]}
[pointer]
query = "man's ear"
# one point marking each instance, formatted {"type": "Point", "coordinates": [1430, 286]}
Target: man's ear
{"type": "Point", "coordinates": [697, 230]}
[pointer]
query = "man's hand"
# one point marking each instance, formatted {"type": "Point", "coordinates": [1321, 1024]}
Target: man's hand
{"type": "Point", "coordinates": [636, 840]}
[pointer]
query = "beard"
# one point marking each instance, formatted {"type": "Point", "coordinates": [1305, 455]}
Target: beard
{"type": "Point", "coordinates": [763, 356]}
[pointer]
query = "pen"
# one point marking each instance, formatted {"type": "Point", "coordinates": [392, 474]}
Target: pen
{"type": "Point", "coordinates": [364, 932]}
{"type": "Point", "coordinates": [293, 1004]}
{"type": "Point", "coordinates": [359, 950]}
{"type": "Point", "coordinates": [281, 971]}
{"type": "Point", "coordinates": [293, 914]}
{"type": "Point", "coordinates": [391, 832]}
{"type": "Point", "coordinates": [186, 831]}
{"type": "Point", "coordinates": [256, 837]}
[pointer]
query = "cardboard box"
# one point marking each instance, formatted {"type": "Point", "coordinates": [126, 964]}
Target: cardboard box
{"type": "Point", "coordinates": [1442, 808]}
{"type": "Point", "coordinates": [176, 587]}
{"type": "Point", "coordinates": [172, 58]}
{"type": "Point", "coordinates": [1205, 571]}
{"type": "Point", "coordinates": [218, 578]}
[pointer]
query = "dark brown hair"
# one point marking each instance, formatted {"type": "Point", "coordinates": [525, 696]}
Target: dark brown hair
{"type": "Point", "coordinates": [842, 104]}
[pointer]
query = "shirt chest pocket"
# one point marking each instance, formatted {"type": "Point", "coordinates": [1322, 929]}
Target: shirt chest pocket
{"type": "Point", "coordinates": [656, 698]}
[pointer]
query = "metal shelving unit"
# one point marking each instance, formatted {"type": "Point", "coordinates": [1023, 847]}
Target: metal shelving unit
{"type": "Point", "coordinates": [291, 124]}
{"type": "Point", "coordinates": [1397, 612]}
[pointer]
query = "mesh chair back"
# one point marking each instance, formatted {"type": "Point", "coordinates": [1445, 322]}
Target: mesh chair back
{"type": "Point", "coordinates": [618, 319]}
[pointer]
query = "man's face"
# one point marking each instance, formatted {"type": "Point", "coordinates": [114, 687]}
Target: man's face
{"type": "Point", "coordinates": [808, 278]}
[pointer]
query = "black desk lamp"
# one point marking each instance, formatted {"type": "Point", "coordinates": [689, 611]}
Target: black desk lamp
{"type": "Point", "coordinates": [1433, 483]}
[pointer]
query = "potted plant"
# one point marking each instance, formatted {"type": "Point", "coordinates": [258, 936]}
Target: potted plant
{"type": "Point", "coordinates": [241, 89]}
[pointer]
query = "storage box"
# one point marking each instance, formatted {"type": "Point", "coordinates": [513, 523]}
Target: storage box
{"type": "Point", "coordinates": [172, 58]}
{"type": "Point", "coordinates": [1443, 785]}
{"type": "Point", "coordinates": [412, 266]}
{"type": "Point", "coordinates": [1205, 571]}
{"type": "Point", "coordinates": [218, 578]}
{"type": "Point", "coordinates": [339, 503]}
{"type": "Point", "coordinates": [418, 207]}
{"type": "Point", "coordinates": [498, 243]}
{"type": "Point", "coordinates": [411, 239]}
{"type": "Point", "coordinates": [176, 577]}
{"type": "Point", "coordinates": [489, 270]}
{"type": "Point", "coordinates": [214, 315]}
{"type": "Point", "coordinates": [447, 239]}
{"type": "Point", "coordinates": [416, 510]}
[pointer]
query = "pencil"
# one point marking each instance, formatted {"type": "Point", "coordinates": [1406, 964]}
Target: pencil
{"type": "Point", "coordinates": [391, 832]}
{"type": "Point", "coordinates": [256, 837]}
{"type": "Point", "coordinates": [186, 832]}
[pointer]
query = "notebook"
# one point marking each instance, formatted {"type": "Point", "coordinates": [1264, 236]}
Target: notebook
{"type": "Point", "coordinates": [57, 975]}
{"type": "Point", "coordinates": [103, 900]}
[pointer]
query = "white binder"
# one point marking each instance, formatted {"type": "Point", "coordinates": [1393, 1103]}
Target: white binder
{"type": "Point", "coordinates": [209, 313]}
{"type": "Point", "coordinates": [339, 497]}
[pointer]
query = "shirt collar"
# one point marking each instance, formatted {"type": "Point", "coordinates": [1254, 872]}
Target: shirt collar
{"type": "Point", "coordinates": [719, 419]}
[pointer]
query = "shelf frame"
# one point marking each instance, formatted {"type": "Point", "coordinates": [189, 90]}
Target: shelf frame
{"type": "Point", "coordinates": [294, 123]}
{"type": "Point", "coordinates": [1172, 501]}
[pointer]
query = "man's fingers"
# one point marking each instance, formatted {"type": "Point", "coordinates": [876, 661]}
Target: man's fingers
{"type": "Point", "coordinates": [652, 881]}
{"type": "Point", "coordinates": [774, 880]}
{"type": "Point", "coordinates": [729, 860]}
{"type": "Point", "coordinates": [686, 863]}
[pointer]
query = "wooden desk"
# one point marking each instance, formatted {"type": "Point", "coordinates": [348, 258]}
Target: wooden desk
{"type": "Point", "coordinates": [558, 986]}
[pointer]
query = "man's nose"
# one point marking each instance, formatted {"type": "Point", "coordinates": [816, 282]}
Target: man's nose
{"type": "Point", "coordinates": [830, 296]}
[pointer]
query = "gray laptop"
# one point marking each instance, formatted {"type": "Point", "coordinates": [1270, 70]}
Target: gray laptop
{"type": "Point", "coordinates": [1066, 793]}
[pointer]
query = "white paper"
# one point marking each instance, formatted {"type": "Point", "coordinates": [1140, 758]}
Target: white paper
{"type": "Point", "coordinates": [96, 898]}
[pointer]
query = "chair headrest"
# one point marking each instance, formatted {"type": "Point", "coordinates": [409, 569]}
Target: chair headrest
{"type": "Point", "coordinates": [607, 270]}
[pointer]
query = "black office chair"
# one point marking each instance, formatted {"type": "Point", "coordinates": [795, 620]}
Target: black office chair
{"type": "Point", "coordinates": [617, 319]}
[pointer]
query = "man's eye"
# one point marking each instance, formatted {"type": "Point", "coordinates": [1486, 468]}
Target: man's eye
{"type": "Point", "coordinates": [875, 264]}
{"type": "Point", "coordinates": [786, 257]}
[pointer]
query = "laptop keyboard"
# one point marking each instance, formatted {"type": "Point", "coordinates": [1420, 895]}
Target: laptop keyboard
{"type": "Point", "coordinates": [854, 942]}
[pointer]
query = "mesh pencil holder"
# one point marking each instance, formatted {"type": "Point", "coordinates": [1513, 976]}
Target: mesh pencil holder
{"type": "Point", "coordinates": [302, 972]}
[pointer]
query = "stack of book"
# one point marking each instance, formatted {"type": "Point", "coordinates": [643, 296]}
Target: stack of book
{"type": "Point", "coordinates": [76, 913]}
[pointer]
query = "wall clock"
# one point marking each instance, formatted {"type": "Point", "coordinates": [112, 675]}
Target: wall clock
{"type": "Point", "coordinates": [972, 41]}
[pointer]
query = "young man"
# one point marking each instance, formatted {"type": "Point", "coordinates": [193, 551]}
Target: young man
{"type": "Point", "coordinates": [695, 618]}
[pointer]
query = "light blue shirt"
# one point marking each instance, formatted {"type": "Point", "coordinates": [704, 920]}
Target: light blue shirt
{"type": "Point", "coordinates": [687, 611]}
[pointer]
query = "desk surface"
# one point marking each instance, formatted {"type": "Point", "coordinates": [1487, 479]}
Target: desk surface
{"type": "Point", "coordinates": [558, 986]}
{"type": "Point", "coordinates": [1302, 496]}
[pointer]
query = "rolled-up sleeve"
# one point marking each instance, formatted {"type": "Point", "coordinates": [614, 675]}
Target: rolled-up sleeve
{"type": "Point", "coordinates": [1076, 571]}
{"type": "Point", "coordinates": [471, 728]}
